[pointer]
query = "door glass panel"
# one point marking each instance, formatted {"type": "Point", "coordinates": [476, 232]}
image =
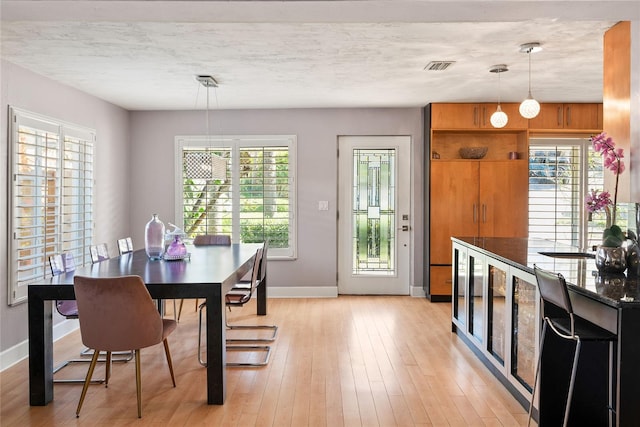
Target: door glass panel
{"type": "Point", "coordinates": [524, 330]}
{"type": "Point", "coordinates": [459, 300]}
{"type": "Point", "coordinates": [373, 215]}
{"type": "Point", "coordinates": [497, 312]}
{"type": "Point", "coordinates": [476, 302]}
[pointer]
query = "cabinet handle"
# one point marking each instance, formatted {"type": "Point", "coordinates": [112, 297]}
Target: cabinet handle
{"type": "Point", "coordinates": [475, 218]}
{"type": "Point", "coordinates": [484, 213]}
{"type": "Point", "coordinates": [568, 116]}
{"type": "Point", "coordinates": [559, 116]}
{"type": "Point", "coordinates": [475, 116]}
{"type": "Point", "coordinates": [484, 116]}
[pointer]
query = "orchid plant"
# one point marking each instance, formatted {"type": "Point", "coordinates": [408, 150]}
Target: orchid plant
{"type": "Point", "coordinates": [612, 160]}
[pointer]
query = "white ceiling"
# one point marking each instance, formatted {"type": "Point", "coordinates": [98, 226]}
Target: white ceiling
{"type": "Point", "coordinates": [144, 55]}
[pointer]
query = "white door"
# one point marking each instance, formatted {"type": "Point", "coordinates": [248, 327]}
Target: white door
{"type": "Point", "coordinates": [373, 215]}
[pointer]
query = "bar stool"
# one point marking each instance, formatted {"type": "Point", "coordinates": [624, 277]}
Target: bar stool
{"type": "Point", "coordinates": [553, 290]}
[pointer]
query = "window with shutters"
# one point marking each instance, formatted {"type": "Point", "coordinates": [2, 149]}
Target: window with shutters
{"type": "Point", "coordinates": [51, 197]}
{"type": "Point", "coordinates": [256, 200]}
{"type": "Point", "coordinates": [561, 171]}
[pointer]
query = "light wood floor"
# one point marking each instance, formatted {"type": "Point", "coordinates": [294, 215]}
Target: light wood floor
{"type": "Point", "coordinates": [347, 361]}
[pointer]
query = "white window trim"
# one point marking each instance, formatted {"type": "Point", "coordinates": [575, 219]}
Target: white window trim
{"type": "Point", "coordinates": [17, 293]}
{"type": "Point", "coordinates": [238, 141]}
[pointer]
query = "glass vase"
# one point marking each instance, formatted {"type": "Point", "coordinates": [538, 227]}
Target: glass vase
{"type": "Point", "coordinates": [154, 238]}
{"type": "Point", "coordinates": [611, 259]}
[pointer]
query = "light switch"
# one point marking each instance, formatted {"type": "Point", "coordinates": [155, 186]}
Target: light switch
{"type": "Point", "coordinates": [323, 205]}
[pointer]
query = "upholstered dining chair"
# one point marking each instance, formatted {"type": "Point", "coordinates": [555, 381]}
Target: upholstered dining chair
{"type": "Point", "coordinates": [69, 310]}
{"type": "Point", "coordinates": [118, 314]}
{"type": "Point", "coordinates": [125, 245]}
{"type": "Point", "coordinates": [239, 298]}
{"type": "Point", "coordinates": [98, 252]}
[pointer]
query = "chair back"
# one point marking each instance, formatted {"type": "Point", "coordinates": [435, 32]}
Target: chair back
{"type": "Point", "coordinates": [256, 273]}
{"type": "Point", "coordinates": [125, 245]}
{"type": "Point", "coordinates": [553, 289]}
{"type": "Point", "coordinates": [116, 313]}
{"type": "Point", "coordinates": [212, 239]}
{"type": "Point", "coordinates": [98, 252]}
{"type": "Point", "coordinates": [66, 308]}
{"type": "Point", "coordinates": [263, 261]}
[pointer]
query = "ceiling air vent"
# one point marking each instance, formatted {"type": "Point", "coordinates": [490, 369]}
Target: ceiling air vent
{"type": "Point", "coordinates": [438, 65]}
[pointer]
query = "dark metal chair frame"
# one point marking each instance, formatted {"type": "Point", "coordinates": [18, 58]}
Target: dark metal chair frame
{"type": "Point", "coordinates": [553, 290]}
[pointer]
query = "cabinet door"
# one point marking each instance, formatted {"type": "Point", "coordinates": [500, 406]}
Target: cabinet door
{"type": "Point", "coordinates": [476, 295]}
{"type": "Point", "coordinates": [524, 309]}
{"type": "Point", "coordinates": [550, 117]}
{"type": "Point", "coordinates": [454, 206]}
{"type": "Point", "coordinates": [440, 280]}
{"type": "Point", "coordinates": [515, 120]}
{"type": "Point", "coordinates": [455, 116]}
{"type": "Point", "coordinates": [581, 116]}
{"type": "Point", "coordinates": [459, 288]}
{"type": "Point", "coordinates": [504, 193]}
{"type": "Point", "coordinates": [497, 309]}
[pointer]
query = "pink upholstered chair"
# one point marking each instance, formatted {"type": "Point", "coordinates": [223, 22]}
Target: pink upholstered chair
{"type": "Point", "coordinates": [212, 239]}
{"type": "Point", "coordinates": [118, 314]}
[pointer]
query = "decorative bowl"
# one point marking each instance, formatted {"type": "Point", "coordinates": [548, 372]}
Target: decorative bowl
{"type": "Point", "coordinates": [473, 152]}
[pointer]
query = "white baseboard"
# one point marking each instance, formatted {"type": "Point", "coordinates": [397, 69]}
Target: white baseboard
{"type": "Point", "coordinates": [417, 291]}
{"type": "Point", "coordinates": [20, 351]}
{"type": "Point", "coordinates": [303, 292]}
{"type": "Point", "coordinates": [322, 292]}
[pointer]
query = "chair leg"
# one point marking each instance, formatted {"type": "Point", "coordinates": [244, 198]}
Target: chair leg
{"type": "Point", "coordinates": [535, 377]}
{"type": "Point", "coordinates": [87, 381]}
{"type": "Point", "coordinates": [252, 348]}
{"type": "Point", "coordinates": [169, 362]}
{"type": "Point", "coordinates": [107, 370]}
{"type": "Point", "coordinates": [202, 362]}
{"type": "Point", "coordinates": [138, 383]}
{"type": "Point", "coordinates": [574, 369]}
{"type": "Point", "coordinates": [180, 309]}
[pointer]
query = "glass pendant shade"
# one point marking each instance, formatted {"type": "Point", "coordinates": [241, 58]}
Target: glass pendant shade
{"type": "Point", "coordinates": [499, 118]}
{"type": "Point", "coordinates": [529, 108]}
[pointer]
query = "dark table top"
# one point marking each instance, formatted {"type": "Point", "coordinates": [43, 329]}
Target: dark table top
{"type": "Point", "coordinates": [581, 274]}
{"type": "Point", "coordinates": [206, 264]}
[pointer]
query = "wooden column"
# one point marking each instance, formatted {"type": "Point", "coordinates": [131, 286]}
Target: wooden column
{"type": "Point", "coordinates": [616, 94]}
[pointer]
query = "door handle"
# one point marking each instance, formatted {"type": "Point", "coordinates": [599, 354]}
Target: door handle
{"type": "Point", "coordinates": [404, 228]}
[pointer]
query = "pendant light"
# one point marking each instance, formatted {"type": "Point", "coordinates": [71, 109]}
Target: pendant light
{"type": "Point", "coordinates": [205, 165]}
{"type": "Point", "coordinates": [529, 108]}
{"type": "Point", "coordinates": [499, 118]}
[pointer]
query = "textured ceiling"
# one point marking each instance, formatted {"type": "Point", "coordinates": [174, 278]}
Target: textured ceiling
{"type": "Point", "coordinates": [145, 55]}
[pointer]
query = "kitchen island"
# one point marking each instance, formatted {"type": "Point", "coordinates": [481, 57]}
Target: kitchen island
{"type": "Point", "coordinates": [496, 311]}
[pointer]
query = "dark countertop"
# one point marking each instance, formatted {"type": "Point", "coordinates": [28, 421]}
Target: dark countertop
{"type": "Point", "coordinates": [581, 274]}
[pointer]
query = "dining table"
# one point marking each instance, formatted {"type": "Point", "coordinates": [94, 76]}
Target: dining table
{"type": "Point", "coordinates": [208, 272]}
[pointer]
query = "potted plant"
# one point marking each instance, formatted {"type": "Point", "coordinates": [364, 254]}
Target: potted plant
{"type": "Point", "coordinates": [610, 255]}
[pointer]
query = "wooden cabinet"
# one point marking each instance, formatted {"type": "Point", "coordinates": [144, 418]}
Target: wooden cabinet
{"type": "Point", "coordinates": [474, 116]}
{"type": "Point", "coordinates": [440, 278]}
{"type": "Point", "coordinates": [568, 116]}
{"type": "Point", "coordinates": [476, 198]}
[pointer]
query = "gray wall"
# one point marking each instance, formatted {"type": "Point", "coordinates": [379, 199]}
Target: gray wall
{"type": "Point", "coordinates": [32, 92]}
{"type": "Point", "coordinates": [317, 130]}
